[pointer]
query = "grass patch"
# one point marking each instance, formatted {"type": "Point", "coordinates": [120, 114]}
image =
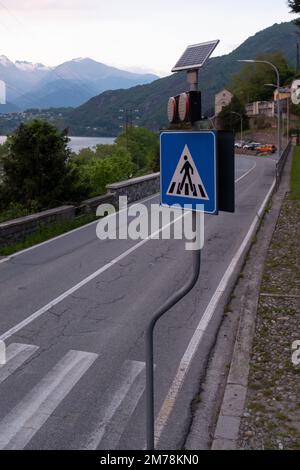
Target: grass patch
{"type": "Point", "coordinates": [281, 416]}
{"type": "Point", "coordinates": [46, 233]}
{"type": "Point", "coordinates": [295, 175]}
{"type": "Point", "coordinates": [257, 407]}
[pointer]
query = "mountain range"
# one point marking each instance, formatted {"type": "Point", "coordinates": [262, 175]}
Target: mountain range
{"type": "Point", "coordinates": [99, 116]}
{"type": "Point", "coordinates": [69, 84]}
{"type": "Point", "coordinates": [98, 91]}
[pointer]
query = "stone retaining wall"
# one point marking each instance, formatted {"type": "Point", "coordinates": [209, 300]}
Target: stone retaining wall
{"type": "Point", "coordinates": [90, 205]}
{"type": "Point", "coordinates": [14, 231]}
{"type": "Point", "coordinates": [136, 188]}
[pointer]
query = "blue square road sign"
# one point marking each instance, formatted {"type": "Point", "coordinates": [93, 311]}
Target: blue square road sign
{"type": "Point", "coordinates": [189, 170]}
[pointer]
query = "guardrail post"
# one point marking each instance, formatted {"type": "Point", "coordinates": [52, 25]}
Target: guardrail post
{"type": "Point", "coordinates": [281, 164]}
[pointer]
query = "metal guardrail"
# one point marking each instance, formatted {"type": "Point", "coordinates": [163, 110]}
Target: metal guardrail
{"type": "Point", "coordinates": [281, 164]}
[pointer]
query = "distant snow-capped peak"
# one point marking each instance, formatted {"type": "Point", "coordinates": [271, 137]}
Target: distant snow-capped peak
{"type": "Point", "coordinates": [5, 61]}
{"type": "Point", "coordinates": [80, 59]}
{"type": "Point", "coordinates": [30, 67]}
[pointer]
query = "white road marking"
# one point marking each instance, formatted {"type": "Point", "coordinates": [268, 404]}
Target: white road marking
{"type": "Point", "coordinates": [124, 397]}
{"type": "Point", "coordinates": [16, 355]}
{"type": "Point", "coordinates": [247, 173]}
{"type": "Point", "coordinates": [189, 354]}
{"type": "Point", "coordinates": [85, 281]}
{"type": "Point", "coordinates": [4, 260]}
{"type": "Point", "coordinates": [8, 258]}
{"type": "Point", "coordinates": [24, 421]}
{"type": "Point", "coordinates": [94, 275]}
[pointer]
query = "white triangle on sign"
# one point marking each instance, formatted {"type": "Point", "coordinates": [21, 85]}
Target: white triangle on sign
{"type": "Point", "coordinates": [186, 181]}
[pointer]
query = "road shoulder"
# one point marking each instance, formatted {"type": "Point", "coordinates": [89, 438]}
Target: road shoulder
{"type": "Point", "coordinates": [218, 408]}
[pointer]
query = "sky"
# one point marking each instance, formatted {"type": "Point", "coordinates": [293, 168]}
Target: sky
{"type": "Point", "coordinates": [136, 35]}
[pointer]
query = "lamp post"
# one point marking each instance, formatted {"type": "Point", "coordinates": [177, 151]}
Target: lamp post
{"type": "Point", "coordinates": [254, 61]}
{"type": "Point", "coordinates": [241, 118]}
{"type": "Point", "coordinates": [287, 110]}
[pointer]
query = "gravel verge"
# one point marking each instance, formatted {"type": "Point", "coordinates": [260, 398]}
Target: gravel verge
{"type": "Point", "coordinates": [271, 418]}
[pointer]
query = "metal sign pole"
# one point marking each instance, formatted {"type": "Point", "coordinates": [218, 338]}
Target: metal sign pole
{"type": "Point", "coordinates": [149, 340]}
{"type": "Point", "coordinates": [193, 81]}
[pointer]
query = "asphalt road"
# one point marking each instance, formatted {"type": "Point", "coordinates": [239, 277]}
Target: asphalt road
{"type": "Point", "coordinates": [73, 317]}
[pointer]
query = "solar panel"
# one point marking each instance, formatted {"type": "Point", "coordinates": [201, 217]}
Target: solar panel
{"type": "Point", "coordinates": [195, 56]}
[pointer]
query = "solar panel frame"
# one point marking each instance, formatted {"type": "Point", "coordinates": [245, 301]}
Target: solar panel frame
{"type": "Point", "coordinates": [195, 56]}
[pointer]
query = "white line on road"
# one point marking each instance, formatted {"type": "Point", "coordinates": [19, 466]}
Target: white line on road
{"type": "Point", "coordinates": [16, 355]}
{"type": "Point", "coordinates": [24, 421]}
{"type": "Point", "coordinates": [4, 260]}
{"type": "Point", "coordinates": [85, 281]}
{"type": "Point", "coordinates": [94, 275]}
{"type": "Point", "coordinates": [189, 354]}
{"type": "Point", "coordinates": [124, 398]}
{"type": "Point", "coordinates": [247, 173]}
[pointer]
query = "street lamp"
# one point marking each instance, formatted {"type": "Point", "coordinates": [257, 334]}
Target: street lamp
{"type": "Point", "coordinates": [287, 110]}
{"type": "Point", "coordinates": [241, 118]}
{"type": "Point", "coordinates": [254, 61]}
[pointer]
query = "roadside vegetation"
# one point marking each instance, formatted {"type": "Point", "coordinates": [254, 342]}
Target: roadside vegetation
{"type": "Point", "coordinates": [46, 233]}
{"type": "Point", "coordinates": [38, 171]}
{"type": "Point", "coordinates": [295, 175]}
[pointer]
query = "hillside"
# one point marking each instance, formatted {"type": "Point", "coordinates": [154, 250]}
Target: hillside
{"type": "Point", "coordinates": [99, 116]}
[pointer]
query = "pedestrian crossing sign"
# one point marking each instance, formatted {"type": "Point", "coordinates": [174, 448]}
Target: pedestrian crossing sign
{"type": "Point", "coordinates": [189, 170]}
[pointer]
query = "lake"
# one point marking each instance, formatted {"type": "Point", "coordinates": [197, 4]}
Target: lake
{"type": "Point", "coordinates": [78, 143]}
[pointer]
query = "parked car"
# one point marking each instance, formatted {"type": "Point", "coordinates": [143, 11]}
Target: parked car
{"type": "Point", "coordinates": [239, 144]}
{"type": "Point", "coordinates": [267, 148]}
{"type": "Point", "coordinates": [251, 145]}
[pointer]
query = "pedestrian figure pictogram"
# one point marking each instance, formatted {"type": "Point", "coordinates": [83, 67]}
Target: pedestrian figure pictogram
{"type": "Point", "coordinates": [187, 180]}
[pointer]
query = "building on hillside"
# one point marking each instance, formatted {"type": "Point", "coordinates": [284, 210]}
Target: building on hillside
{"type": "Point", "coordinates": [222, 99]}
{"type": "Point", "coordinates": [285, 97]}
{"type": "Point", "coordinates": [269, 108]}
{"type": "Point", "coordinates": [284, 94]}
{"type": "Point", "coordinates": [261, 108]}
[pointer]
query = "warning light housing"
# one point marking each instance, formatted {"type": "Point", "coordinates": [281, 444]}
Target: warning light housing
{"type": "Point", "coordinates": [185, 107]}
{"type": "Point", "coordinates": [172, 109]}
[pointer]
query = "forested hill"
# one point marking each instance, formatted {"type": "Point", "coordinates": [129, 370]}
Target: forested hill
{"type": "Point", "coordinates": [100, 115]}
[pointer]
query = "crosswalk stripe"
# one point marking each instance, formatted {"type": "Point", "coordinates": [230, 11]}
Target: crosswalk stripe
{"type": "Point", "coordinates": [125, 395]}
{"type": "Point", "coordinates": [24, 421]}
{"type": "Point", "coordinates": [16, 355]}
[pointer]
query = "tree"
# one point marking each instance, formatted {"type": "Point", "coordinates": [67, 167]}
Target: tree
{"type": "Point", "coordinates": [295, 8]}
{"type": "Point", "coordinates": [141, 144]}
{"type": "Point", "coordinates": [98, 172]}
{"type": "Point", "coordinates": [36, 167]}
{"type": "Point", "coordinates": [250, 84]}
{"type": "Point", "coordinates": [154, 161]}
{"type": "Point", "coordinates": [228, 120]}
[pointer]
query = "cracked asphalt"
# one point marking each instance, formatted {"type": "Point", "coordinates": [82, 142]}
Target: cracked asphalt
{"type": "Point", "coordinates": [108, 316]}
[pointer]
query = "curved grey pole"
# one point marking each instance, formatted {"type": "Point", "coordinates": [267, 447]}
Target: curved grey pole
{"type": "Point", "coordinates": [180, 294]}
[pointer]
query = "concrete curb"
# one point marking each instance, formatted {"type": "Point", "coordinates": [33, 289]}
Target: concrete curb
{"type": "Point", "coordinates": [226, 432]}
